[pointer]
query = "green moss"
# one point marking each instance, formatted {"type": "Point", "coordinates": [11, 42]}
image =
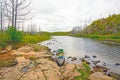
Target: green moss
{"type": "Point", "coordinates": [8, 63]}
{"type": "Point", "coordinates": [32, 58]}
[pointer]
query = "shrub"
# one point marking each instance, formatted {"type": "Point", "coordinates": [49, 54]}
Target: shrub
{"type": "Point", "coordinates": [94, 36]}
{"type": "Point", "coordinates": [4, 38]}
{"type": "Point", "coordinates": [14, 35]}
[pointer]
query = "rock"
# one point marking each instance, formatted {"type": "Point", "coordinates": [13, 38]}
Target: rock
{"type": "Point", "coordinates": [86, 62]}
{"type": "Point", "coordinates": [70, 72]}
{"type": "Point", "coordinates": [9, 48]}
{"type": "Point", "coordinates": [74, 58]}
{"type": "Point", "coordinates": [86, 56]}
{"type": "Point", "coordinates": [69, 57]}
{"type": "Point", "coordinates": [13, 73]}
{"type": "Point", "coordinates": [18, 53]}
{"type": "Point", "coordinates": [3, 51]}
{"type": "Point", "coordinates": [99, 76]}
{"type": "Point", "coordinates": [95, 62]}
{"type": "Point", "coordinates": [117, 64]}
{"type": "Point", "coordinates": [8, 63]}
{"type": "Point", "coordinates": [94, 56]}
{"type": "Point", "coordinates": [54, 51]}
{"type": "Point", "coordinates": [42, 69]}
{"type": "Point", "coordinates": [49, 49]}
{"type": "Point", "coordinates": [114, 75]}
{"type": "Point", "coordinates": [104, 64]}
{"type": "Point", "coordinates": [13, 51]}
{"type": "Point", "coordinates": [100, 69]}
{"type": "Point", "coordinates": [25, 49]}
{"type": "Point", "coordinates": [20, 59]}
{"type": "Point", "coordinates": [83, 60]}
{"type": "Point", "coordinates": [24, 69]}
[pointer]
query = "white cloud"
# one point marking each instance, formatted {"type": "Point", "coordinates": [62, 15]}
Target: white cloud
{"type": "Point", "coordinates": [60, 15]}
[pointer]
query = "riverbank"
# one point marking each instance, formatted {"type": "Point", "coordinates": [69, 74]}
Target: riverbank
{"type": "Point", "coordinates": [111, 38]}
{"type": "Point", "coordinates": [107, 38]}
{"type": "Point", "coordinates": [37, 65]}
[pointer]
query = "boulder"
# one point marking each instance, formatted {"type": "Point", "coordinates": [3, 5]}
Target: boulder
{"type": "Point", "coordinates": [73, 59]}
{"type": "Point", "coordinates": [83, 60]}
{"type": "Point", "coordinates": [94, 56]}
{"type": "Point", "coordinates": [18, 53]}
{"type": "Point", "coordinates": [117, 64]}
{"type": "Point", "coordinates": [95, 62]}
{"type": "Point", "coordinates": [3, 51]}
{"type": "Point", "coordinates": [25, 49]}
{"type": "Point", "coordinates": [100, 69]}
{"type": "Point", "coordinates": [86, 56]}
{"type": "Point", "coordinates": [69, 71]}
{"type": "Point", "coordinates": [20, 59]}
{"type": "Point", "coordinates": [69, 57]}
{"type": "Point", "coordinates": [99, 76]}
{"type": "Point", "coordinates": [114, 75]}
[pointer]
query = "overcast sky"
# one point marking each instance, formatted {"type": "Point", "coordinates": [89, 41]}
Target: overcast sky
{"type": "Point", "coordinates": [63, 15]}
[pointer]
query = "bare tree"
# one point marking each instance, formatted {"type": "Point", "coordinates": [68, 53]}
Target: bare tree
{"type": "Point", "coordinates": [1, 15]}
{"type": "Point", "coordinates": [39, 29]}
{"type": "Point", "coordinates": [16, 10]}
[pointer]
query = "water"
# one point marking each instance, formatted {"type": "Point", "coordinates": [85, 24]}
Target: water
{"type": "Point", "coordinates": [78, 47]}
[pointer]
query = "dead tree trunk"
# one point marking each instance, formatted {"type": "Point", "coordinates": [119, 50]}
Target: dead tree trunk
{"type": "Point", "coordinates": [1, 17]}
{"type": "Point", "coordinates": [16, 13]}
{"type": "Point", "coordinates": [13, 11]}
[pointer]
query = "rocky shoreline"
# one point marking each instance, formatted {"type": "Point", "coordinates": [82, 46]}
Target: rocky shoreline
{"type": "Point", "coordinates": [34, 62]}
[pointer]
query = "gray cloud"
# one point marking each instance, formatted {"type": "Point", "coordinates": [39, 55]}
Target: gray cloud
{"type": "Point", "coordinates": [61, 15]}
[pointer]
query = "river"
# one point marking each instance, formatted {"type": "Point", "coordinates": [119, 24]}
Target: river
{"type": "Point", "coordinates": [108, 54]}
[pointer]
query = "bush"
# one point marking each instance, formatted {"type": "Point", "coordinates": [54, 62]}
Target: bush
{"type": "Point", "coordinates": [14, 35]}
{"type": "Point", "coordinates": [94, 36]}
{"type": "Point", "coordinates": [4, 38]}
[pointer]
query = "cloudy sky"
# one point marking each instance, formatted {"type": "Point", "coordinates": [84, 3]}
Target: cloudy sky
{"type": "Point", "coordinates": [63, 15]}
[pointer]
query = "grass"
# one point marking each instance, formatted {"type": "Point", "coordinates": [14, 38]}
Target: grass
{"type": "Point", "coordinates": [8, 63]}
{"type": "Point", "coordinates": [60, 33]}
{"type": "Point", "coordinates": [27, 39]}
{"type": "Point", "coordinates": [35, 38]}
{"type": "Point", "coordinates": [110, 37]}
{"type": "Point", "coordinates": [84, 72]}
{"type": "Point", "coordinates": [7, 60]}
{"type": "Point", "coordinates": [106, 37]}
{"type": "Point", "coordinates": [3, 39]}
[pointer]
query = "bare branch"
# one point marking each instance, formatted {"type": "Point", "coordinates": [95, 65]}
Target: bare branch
{"type": "Point", "coordinates": [24, 14]}
{"type": "Point", "coordinates": [21, 8]}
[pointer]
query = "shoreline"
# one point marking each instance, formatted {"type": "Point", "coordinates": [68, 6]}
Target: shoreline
{"type": "Point", "coordinates": [40, 65]}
